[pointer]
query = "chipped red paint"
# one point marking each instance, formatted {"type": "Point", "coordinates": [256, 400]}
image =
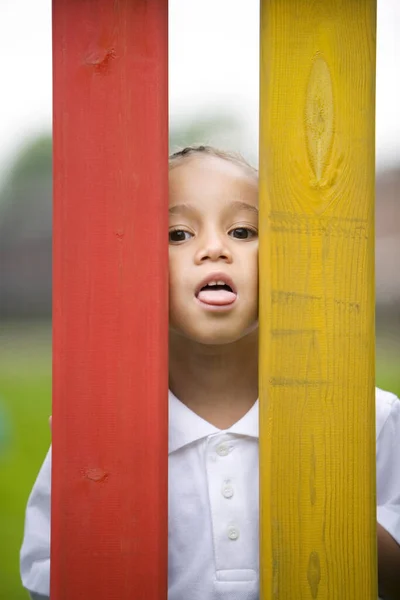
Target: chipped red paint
{"type": "Point", "coordinates": [97, 474]}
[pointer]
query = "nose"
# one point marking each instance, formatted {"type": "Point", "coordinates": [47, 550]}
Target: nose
{"type": "Point", "coordinates": [214, 247]}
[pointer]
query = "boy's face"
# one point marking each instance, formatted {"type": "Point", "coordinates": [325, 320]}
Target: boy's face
{"type": "Point", "coordinates": [213, 238]}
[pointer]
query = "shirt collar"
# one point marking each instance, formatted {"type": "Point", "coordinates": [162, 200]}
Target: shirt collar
{"type": "Point", "coordinates": [185, 427]}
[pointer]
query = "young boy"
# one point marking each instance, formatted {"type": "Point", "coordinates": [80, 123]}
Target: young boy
{"type": "Point", "coordinates": [213, 433]}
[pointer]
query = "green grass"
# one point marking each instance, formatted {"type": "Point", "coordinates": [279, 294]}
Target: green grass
{"type": "Point", "coordinates": [388, 374]}
{"type": "Point", "coordinates": [25, 399]}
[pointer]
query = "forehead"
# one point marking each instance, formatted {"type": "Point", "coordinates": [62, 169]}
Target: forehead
{"type": "Point", "coordinates": [200, 177]}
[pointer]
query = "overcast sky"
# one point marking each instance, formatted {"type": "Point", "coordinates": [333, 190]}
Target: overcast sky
{"type": "Point", "coordinates": [213, 64]}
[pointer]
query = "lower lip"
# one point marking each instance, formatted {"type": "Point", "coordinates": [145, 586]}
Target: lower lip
{"type": "Point", "coordinates": [216, 307]}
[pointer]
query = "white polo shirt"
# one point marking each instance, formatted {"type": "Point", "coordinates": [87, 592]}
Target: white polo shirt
{"type": "Point", "coordinates": [213, 505]}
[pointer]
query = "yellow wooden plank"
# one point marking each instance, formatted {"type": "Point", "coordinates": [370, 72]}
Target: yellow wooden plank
{"type": "Point", "coordinates": [317, 404]}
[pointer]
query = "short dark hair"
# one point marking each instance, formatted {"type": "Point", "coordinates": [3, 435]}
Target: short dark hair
{"type": "Point", "coordinates": [236, 158]}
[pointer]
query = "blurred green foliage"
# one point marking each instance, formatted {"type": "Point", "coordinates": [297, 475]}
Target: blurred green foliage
{"type": "Point", "coordinates": [34, 160]}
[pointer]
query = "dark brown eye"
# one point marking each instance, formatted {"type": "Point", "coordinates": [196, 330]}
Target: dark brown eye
{"type": "Point", "coordinates": [242, 233]}
{"type": "Point", "coordinates": [179, 235]}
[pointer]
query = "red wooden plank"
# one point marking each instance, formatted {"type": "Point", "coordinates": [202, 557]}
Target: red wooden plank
{"type": "Point", "coordinates": [110, 313]}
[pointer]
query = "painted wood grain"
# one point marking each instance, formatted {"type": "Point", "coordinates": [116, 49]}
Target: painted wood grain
{"type": "Point", "coordinates": [110, 313]}
{"type": "Point", "coordinates": [317, 404]}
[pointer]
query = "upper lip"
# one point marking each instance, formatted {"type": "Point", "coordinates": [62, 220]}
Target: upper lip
{"type": "Point", "coordinates": [217, 276]}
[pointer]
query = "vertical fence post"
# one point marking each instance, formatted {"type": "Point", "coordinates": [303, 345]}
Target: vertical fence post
{"type": "Point", "coordinates": [110, 313]}
{"type": "Point", "coordinates": [317, 401]}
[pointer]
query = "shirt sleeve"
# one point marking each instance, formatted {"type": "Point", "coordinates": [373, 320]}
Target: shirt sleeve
{"type": "Point", "coordinates": [35, 550]}
{"type": "Point", "coordinates": [388, 463]}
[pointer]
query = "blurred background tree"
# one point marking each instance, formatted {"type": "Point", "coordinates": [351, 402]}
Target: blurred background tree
{"type": "Point", "coordinates": [25, 233]}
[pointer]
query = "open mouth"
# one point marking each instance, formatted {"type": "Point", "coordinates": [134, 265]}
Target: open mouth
{"type": "Point", "coordinates": [217, 293]}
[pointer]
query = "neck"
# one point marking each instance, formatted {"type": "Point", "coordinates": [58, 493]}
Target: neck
{"type": "Point", "coordinates": [219, 383]}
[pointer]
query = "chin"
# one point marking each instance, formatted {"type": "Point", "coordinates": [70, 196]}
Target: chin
{"type": "Point", "coordinates": [215, 340]}
{"type": "Point", "coordinates": [213, 330]}
{"type": "Point", "coordinates": [219, 335]}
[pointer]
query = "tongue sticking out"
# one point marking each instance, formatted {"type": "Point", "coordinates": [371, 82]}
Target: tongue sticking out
{"type": "Point", "coordinates": [216, 297]}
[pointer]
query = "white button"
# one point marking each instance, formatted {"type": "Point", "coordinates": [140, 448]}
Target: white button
{"type": "Point", "coordinates": [227, 491]}
{"type": "Point", "coordinates": [223, 450]}
{"type": "Point", "coordinates": [233, 533]}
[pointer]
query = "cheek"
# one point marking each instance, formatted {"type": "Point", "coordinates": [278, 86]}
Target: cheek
{"type": "Point", "coordinates": [253, 269]}
{"type": "Point", "coordinates": [172, 266]}
{"type": "Point", "coordinates": [173, 291]}
{"type": "Point", "coordinates": [176, 284]}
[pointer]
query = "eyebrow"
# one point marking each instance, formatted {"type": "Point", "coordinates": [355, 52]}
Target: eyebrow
{"type": "Point", "coordinates": [239, 205]}
{"type": "Point", "coordinates": [181, 208]}
{"type": "Point", "coordinates": [187, 208]}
